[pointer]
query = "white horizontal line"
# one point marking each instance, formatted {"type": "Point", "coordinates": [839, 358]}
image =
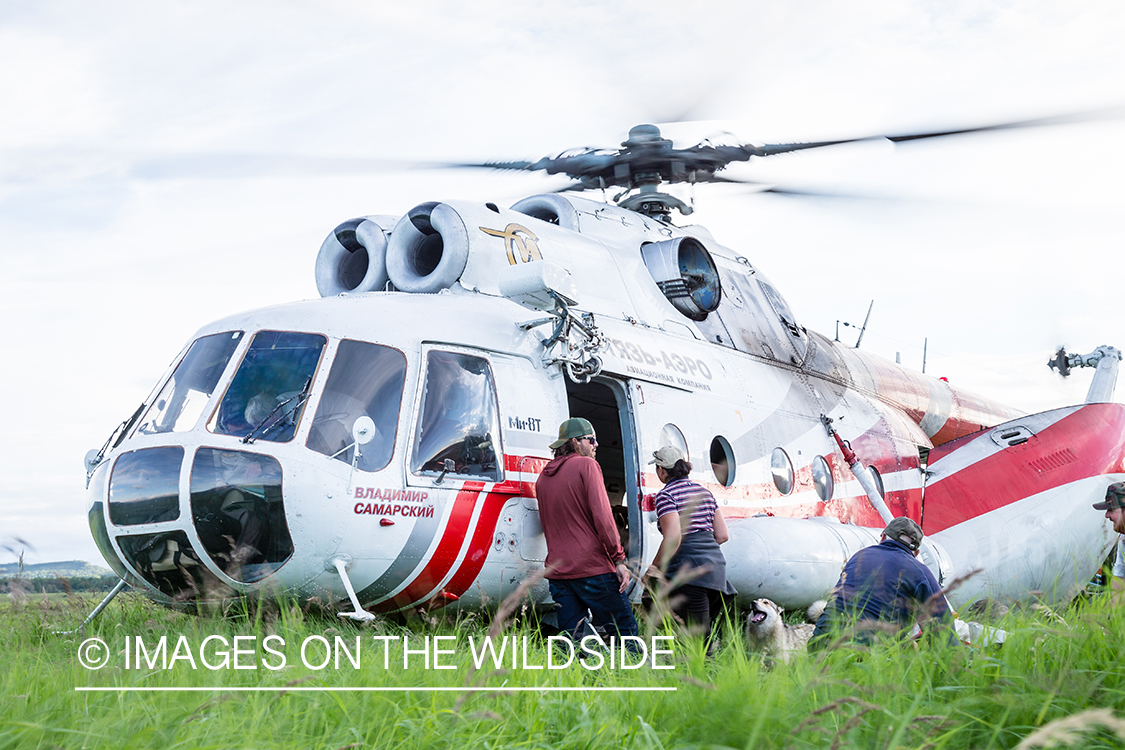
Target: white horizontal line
{"type": "Point", "coordinates": [297, 689]}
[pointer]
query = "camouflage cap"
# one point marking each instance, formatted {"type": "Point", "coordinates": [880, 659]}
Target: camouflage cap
{"type": "Point", "coordinates": [905, 527]}
{"type": "Point", "coordinates": [1114, 497]}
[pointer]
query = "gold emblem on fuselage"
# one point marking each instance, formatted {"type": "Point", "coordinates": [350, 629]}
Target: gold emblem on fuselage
{"type": "Point", "coordinates": [519, 242]}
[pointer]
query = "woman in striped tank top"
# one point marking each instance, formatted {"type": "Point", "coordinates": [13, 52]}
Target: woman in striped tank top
{"type": "Point", "coordinates": [692, 530]}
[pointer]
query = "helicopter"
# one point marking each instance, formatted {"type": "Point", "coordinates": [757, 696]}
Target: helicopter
{"type": "Point", "coordinates": [377, 448]}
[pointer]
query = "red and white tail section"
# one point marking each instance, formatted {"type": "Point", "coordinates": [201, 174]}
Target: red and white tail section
{"type": "Point", "coordinates": [1014, 502]}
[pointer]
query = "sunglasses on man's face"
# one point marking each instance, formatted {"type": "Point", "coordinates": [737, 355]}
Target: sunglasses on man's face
{"type": "Point", "coordinates": [590, 439]}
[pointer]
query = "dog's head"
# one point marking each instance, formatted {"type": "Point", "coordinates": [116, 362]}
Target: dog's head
{"type": "Point", "coordinates": [764, 614]}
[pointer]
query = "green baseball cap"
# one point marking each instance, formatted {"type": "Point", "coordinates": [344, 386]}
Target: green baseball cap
{"type": "Point", "coordinates": [574, 427]}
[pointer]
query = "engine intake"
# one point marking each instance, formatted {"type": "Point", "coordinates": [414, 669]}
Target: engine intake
{"type": "Point", "coordinates": [686, 274]}
{"type": "Point", "coordinates": [428, 250]}
{"type": "Point", "coordinates": [353, 258]}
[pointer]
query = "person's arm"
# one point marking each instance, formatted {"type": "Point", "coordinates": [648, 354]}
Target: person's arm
{"type": "Point", "coordinates": [670, 541]}
{"type": "Point", "coordinates": [1117, 581]}
{"type": "Point", "coordinates": [720, 527]}
{"type": "Point", "coordinates": [623, 576]}
{"type": "Point", "coordinates": [936, 615]}
{"type": "Point", "coordinates": [600, 515]}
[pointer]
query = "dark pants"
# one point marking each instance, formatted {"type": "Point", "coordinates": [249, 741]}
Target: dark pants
{"type": "Point", "coordinates": [698, 606]}
{"type": "Point", "coordinates": [598, 594]}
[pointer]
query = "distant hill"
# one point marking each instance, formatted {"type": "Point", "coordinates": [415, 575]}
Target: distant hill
{"type": "Point", "coordinates": [68, 569]}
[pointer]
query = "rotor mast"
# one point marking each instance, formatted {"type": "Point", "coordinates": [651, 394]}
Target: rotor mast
{"type": "Point", "coordinates": [645, 144]}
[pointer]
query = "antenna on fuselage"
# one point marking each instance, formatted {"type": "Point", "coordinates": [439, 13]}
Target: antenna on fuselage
{"type": "Point", "coordinates": [849, 325]}
{"type": "Point", "coordinates": [867, 318]}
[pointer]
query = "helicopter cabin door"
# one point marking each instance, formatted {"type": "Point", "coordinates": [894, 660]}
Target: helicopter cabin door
{"type": "Point", "coordinates": [605, 403]}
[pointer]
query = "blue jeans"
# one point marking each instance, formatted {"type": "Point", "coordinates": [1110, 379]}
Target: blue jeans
{"type": "Point", "coordinates": [598, 594]}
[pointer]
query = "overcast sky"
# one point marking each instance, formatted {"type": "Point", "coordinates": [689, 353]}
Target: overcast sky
{"type": "Point", "coordinates": [165, 164]}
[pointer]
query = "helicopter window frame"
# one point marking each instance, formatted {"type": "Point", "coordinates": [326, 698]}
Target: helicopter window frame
{"type": "Point", "coordinates": [236, 498]}
{"type": "Point", "coordinates": [296, 419]}
{"type": "Point", "coordinates": [159, 398]}
{"type": "Point", "coordinates": [823, 481]}
{"type": "Point", "coordinates": [144, 486]}
{"type": "Point", "coordinates": [671, 434]}
{"type": "Point", "coordinates": [345, 452]}
{"type": "Point", "coordinates": [780, 308]}
{"type": "Point", "coordinates": [419, 424]}
{"type": "Point", "coordinates": [781, 467]}
{"type": "Point", "coordinates": [722, 449]}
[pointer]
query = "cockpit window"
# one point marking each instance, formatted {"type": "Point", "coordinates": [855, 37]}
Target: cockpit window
{"type": "Point", "coordinates": [366, 380]}
{"type": "Point", "coordinates": [168, 561]}
{"type": "Point", "coordinates": [780, 307]}
{"type": "Point", "coordinates": [236, 505]}
{"type": "Point", "coordinates": [183, 397]}
{"type": "Point", "coordinates": [145, 486]}
{"type": "Point", "coordinates": [269, 390]}
{"type": "Point", "coordinates": [459, 418]}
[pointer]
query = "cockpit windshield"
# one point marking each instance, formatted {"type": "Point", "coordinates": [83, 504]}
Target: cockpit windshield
{"type": "Point", "coordinates": [366, 380]}
{"type": "Point", "coordinates": [269, 390]}
{"type": "Point", "coordinates": [459, 418]}
{"type": "Point", "coordinates": [183, 397]}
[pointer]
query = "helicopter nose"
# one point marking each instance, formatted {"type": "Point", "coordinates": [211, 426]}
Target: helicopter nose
{"type": "Point", "coordinates": [234, 505]}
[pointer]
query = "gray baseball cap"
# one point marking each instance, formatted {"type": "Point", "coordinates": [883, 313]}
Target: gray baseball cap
{"type": "Point", "coordinates": [667, 457]}
{"type": "Point", "coordinates": [905, 527]}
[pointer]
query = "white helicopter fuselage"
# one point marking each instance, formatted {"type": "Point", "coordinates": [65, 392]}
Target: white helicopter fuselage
{"type": "Point", "coordinates": [390, 440]}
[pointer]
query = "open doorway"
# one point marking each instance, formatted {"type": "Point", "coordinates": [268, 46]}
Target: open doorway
{"type": "Point", "coordinates": [604, 402]}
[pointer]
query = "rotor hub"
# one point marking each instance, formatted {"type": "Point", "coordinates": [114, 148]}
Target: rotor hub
{"type": "Point", "coordinates": [645, 135]}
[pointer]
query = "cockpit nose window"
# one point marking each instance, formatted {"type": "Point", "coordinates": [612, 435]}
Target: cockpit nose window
{"type": "Point", "coordinates": [183, 397]}
{"type": "Point", "coordinates": [237, 508]}
{"type": "Point", "coordinates": [269, 390]}
{"type": "Point", "coordinates": [459, 418]}
{"type": "Point", "coordinates": [366, 380]}
{"type": "Point", "coordinates": [145, 486]}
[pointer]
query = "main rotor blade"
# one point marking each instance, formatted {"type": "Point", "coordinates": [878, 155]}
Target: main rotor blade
{"type": "Point", "coordinates": [513, 165]}
{"type": "Point", "coordinates": [34, 165]}
{"type": "Point", "coordinates": [1110, 113]}
{"type": "Point", "coordinates": [803, 193]}
{"type": "Point", "coordinates": [699, 178]}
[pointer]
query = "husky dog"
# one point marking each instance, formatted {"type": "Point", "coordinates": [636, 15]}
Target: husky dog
{"type": "Point", "coordinates": [766, 631]}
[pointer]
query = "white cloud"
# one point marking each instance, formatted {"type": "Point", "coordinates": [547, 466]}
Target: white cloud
{"type": "Point", "coordinates": [52, 90]}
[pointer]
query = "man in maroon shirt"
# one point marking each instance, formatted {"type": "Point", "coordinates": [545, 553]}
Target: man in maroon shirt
{"type": "Point", "coordinates": [585, 562]}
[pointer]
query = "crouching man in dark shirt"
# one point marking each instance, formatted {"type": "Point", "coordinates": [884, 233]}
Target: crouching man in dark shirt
{"type": "Point", "coordinates": [886, 583]}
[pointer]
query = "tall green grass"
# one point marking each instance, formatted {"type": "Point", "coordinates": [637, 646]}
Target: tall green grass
{"type": "Point", "coordinates": [1056, 679]}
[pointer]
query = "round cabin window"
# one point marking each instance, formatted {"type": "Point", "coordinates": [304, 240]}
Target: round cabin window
{"type": "Point", "coordinates": [782, 469]}
{"type": "Point", "coordinates": [822, 479]}
{"type": "Point", "coordinates": [722, 461]}
{"type": "Point", "coordinates": [671, 435]}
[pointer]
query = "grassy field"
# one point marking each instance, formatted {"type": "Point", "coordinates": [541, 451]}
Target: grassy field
{"type": "Point", "coordinates": [1055, 681]}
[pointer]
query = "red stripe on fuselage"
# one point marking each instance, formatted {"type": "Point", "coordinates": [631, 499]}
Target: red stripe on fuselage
{"type": "Point", "coordinates": [478, 546]}
{"type": "Point", "coordinates": [526, 465]}
{"type": "Point", "coordinates": [446, 552]}
{"type": "Point", "coordinates": [1090, 442]}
